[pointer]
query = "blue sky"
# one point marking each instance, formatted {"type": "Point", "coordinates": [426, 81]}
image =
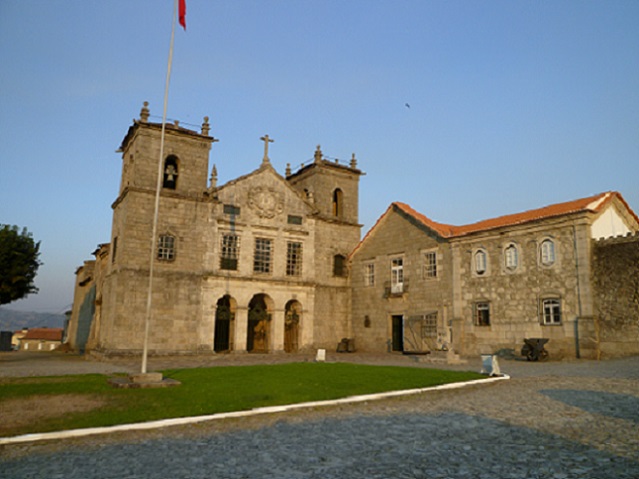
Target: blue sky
{"type": "Point", "coordinates": [514, 105]}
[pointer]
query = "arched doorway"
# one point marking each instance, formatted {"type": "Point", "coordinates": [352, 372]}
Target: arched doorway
{"type": "Point", "coordinates": [224, 320]}
{"type": "Point", "coordinates": [259, 324]}
{"type": "Point", "coordinates": [292, 325]}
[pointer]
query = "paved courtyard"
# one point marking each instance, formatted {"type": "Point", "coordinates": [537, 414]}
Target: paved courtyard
{"type": "Point", "coordinates": [570, 419]}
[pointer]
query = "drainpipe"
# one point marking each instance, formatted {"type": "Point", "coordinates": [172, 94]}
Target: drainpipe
{"type": "Point", "coordinates": [574, 239]}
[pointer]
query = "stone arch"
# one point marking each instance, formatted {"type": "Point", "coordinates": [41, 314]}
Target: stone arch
{"type": "Point", "coordinates": [260, 313]}
{"type": "Point", "coordinates": [292, 319]}
{"type": "Point", "coordinates": [170, 172]}
{"type": "Point", "coordinates": [224, 324]}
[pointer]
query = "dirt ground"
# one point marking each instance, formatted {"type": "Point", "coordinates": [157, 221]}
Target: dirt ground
{"type": "Point", "coordinates": [17, 413]}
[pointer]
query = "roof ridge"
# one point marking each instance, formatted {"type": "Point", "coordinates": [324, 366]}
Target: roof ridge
{"type": "Point", "coordinates": [590, 203]}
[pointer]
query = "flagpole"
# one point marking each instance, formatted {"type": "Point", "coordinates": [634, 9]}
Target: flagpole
{"type": "Point", "coordinates": [158, 186]}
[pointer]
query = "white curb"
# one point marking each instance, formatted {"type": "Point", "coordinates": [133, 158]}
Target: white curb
{"type": "Point", "coordinates": [227, 415]}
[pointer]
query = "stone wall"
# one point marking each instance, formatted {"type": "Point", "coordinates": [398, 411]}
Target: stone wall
{"type": "Point", "coordinates": [375, 304]}
{"type": "Point", "coordinates": [515, 295]}
{"type": "Point", "coordinates": [84, 283]}
{"type": "Point", "coordinates": [615, 278]}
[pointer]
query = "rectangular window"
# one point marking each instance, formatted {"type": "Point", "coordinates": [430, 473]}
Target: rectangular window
{"type": "Point", "coordinates": [293, 259]}
{"type": "Point", "coordinates": [430, 265]}
{"type": "Point", "coordinates": [232, 210]}
{"type": "Point", "coordinates": [229, 252]}
{"type": "Point", "coordinates": [262, 256]}
{"type": "Point", "coordinates": [369, 274]}
{"type": "Point", "coordinates": [482, 314]}
{"type": "Point", "coordinates": [294, 220]}
{"type": "Point", "coordinates": [551, 310]}
{"type": "Point", "coordinates": [166, 248]}
{"type": "Point", "coordinates": [397, 275]}
{"type": "Point", "coordinates": [115, 249]}
{"type": "Point", "coordinates": [339, 265]}
{"type": "Point", "coordinates": [429, 326]}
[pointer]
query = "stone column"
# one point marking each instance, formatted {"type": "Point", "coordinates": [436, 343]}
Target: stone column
{"type": "Point", "coordinates": [277, 330]}
{"type": "Point", "coordinates": [241, 329]}
{"type": "Point", "coordinates": [457, 325]}
{"type": "Point", "coordinates": [455, 277]}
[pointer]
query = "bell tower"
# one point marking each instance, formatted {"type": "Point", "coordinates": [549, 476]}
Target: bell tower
{"type": "Point", "coordinates": [184, 209]}
{"type": "Point", "coordinates": [333, 187]}
{"type": "Point", "coordinates": [185, 162]}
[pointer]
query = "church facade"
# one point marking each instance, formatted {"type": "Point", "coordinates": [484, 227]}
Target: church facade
{"type": "Point", "coordinates": [257, 264]}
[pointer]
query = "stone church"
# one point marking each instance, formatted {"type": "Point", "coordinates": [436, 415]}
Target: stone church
{"type": "Point", "coordinates": [272, 263]}
{"type": "Point", "coordinates": [258, 264]}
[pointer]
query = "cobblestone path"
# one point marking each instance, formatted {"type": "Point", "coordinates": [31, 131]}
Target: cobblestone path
{"type": "Point", "coordinates": [556, 421]}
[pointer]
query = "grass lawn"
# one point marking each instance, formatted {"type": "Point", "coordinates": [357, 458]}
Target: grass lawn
{"type": "Point", "coordinates": [206, 391]}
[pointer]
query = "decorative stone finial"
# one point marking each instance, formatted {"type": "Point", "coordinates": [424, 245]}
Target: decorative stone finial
{"type": "Point", "coordinates": [266, 141]}
{"type": "Point", "coordinates": [353, 161]}
{"type": "Point", "coordinates": [176, 123]}
{"type": "Point", "coordinates": [213, 178]}
{"type": "Point", "coordinates": [288, 169]}
{"type": "Point", "coordinates": [318, 154]}
{"type": "Point", "coordinates": [144, 112]}
{"type": "Point", "coordinates": [206, 128]}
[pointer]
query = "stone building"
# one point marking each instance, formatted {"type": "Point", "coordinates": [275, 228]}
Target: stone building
{"type": "Point", "coordinates": [270, 263]}
{"type": "Point", "coordinates": [420, 286]}
{"type": "Point", "coordinates": [258, 264]}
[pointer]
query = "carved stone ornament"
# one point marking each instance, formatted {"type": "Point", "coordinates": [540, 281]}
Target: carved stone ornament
{"type": "Point", "coordinates": [266, 201]}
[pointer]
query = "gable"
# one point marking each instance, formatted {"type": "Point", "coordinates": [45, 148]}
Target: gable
{"type": "Point", "coordinates": [396, 231]}
{"type": "Point", "coordinates": [263, 196]}
{"type": "Point", "coordinates": [609, 223]}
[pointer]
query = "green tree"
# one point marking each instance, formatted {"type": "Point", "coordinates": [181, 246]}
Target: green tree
{"type": "Point", "coordinates": [18, 263]}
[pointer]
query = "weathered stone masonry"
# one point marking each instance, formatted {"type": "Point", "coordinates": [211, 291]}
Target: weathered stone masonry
{"type": "Point", "coordinates": [615, 275]}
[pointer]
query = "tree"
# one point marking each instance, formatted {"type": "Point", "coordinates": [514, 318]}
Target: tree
{"type": "Point", "coordinates": [18, 263]}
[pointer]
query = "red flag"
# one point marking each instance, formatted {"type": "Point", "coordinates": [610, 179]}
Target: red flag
{"type": "Point", "coordinates": [182, 13]}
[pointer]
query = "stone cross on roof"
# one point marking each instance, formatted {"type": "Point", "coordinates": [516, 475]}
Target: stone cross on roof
{"type": "Point", "coordinates": [266, 141]}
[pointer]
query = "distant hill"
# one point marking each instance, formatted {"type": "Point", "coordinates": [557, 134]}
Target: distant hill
{"type": "Point", "coordinates": [11, 320]}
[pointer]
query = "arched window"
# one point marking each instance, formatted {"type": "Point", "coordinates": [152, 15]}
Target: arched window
{"type": "Point", "coordinates": [511, 257]}
{"type": "Point", "coordinates": [338, 203]}
{"type": "Point", "coordinates": [170, 172]}
{"type": "Point", "coordinates": [480, 262]}
{"type": "Point", "coordinates": [547, 252]}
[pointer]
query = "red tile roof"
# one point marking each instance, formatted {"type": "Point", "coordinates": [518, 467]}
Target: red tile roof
{"type": "Point", "coordinates": [46, 334]}
{"type": "Point", "coordinates": [592, 203]}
